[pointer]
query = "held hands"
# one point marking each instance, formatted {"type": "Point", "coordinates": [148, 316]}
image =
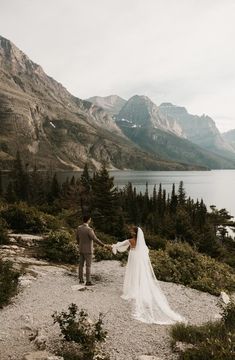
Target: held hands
{"type": "Point", "coordinates": [108, 247]}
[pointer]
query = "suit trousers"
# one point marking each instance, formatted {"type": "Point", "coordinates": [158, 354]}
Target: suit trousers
{"type": "Point", "coordinates": [85, 258]}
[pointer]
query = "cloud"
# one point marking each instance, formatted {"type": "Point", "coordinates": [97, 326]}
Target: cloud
{"type": "Point", "coordinates": [179, 51]}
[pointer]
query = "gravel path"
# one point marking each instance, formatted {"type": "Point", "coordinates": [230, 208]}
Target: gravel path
{"type": "Point", "coordinates": [51, 290]}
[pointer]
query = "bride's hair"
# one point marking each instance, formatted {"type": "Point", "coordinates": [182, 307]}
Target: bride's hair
{"type": "Point", "coordinates": [134, 230]}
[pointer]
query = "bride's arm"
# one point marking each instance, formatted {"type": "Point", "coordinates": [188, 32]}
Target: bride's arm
{"type": "Point", "coordinates": [121, 246]}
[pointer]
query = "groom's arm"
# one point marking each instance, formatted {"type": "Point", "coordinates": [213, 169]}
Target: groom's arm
{"type": "Point", "coordinates": [94, 238]}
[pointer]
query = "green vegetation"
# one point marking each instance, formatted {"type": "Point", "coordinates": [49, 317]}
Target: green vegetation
{"type": "Point", "coordinates": [189, 243]}
{"type": "Point", "coordinates": [214, 340]}
{"type": "Point", "coordinates": [179, 263]}
{"type": "Point", "coordinates": [4, 239]}
{"type": "Point", "coordinates": [59, 246]}
{"type": "Point", "coordinates": [81, 335]}
{"type": "Point", "coordinates": [8, 282]}
{"type": "Point", "coordinates": [22, 217]}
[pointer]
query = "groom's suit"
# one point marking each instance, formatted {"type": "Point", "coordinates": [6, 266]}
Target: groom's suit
{"type": "Point", "coordinates": [85, 238]}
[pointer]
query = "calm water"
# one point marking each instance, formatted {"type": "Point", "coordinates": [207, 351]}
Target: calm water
{"type": "Point", "coordinates": [216, 187]}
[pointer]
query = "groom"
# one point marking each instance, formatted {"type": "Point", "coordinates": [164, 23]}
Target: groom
{"type": "Point", "coordinates": [85, 238]}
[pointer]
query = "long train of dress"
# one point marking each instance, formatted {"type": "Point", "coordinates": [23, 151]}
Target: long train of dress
{"type": "Point", "coordinates": [142, 288]}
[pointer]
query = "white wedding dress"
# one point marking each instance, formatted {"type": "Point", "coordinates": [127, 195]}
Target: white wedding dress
{"type": "Point", "coordinates": [142, 287]}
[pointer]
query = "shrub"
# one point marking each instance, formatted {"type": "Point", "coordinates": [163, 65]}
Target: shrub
{"type": "Point", "coordinates": [213, 340]}
{"type": "Point", "coordinates": [21, 217]}
{"type": "Point", "coordinates": [106, 254]}
{"type": "Point", "coordinates": [78, 328]}
{"type": "Point", "coordinates": [180, 263]}
{"type": "Point", "coordinates": [4, 239]}
{"type": "Point", "coordinates": [155, 242]}
{"type": "Point", "coordinates": [60, 247]}
{"type": "Point", "coordinates": [8, 282]}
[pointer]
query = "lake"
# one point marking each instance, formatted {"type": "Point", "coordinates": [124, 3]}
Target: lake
{"type": "Point", "coordinates": [215, 187]}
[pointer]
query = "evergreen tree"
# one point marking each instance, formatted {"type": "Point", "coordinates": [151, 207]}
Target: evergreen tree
{"type": "Point", "coordinates": [1, 186]}
{"type": "Point", "coordinates": [54, 191]}
{"type": "Point", "coordinates": [86, 180]}
{"type": "Point", "coordinates": [173, 201]}
{"type": "Point", "coordinates": [85, 189]}
{"type": "Point", "coordinates": [105, 202]}
{"type": "Point", "coordinates": [181, 194]}
{"type": "Point", "coordinates": [20, 179]}
{"type": "Point", "coordinates": [10, 195]}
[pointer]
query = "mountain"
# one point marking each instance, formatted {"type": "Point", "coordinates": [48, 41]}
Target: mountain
{"type": "Point", "coordinates": [143, 112]}
{"type": "Point", "coordinates": [200, 130]}
{"type": "Point", "coordinates": [51, 127]}
{"type": "Point", "coordinates": [156, 132]}
{"type": "Point", "coordinates": [229, 136]}
{"type": "Point", "coordinates": [112, 104]}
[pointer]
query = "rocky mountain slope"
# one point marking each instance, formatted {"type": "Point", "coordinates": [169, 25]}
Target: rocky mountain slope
{"type": "Point", "coordinates": [229, 136]}
{"type": "Point", "coordinates": [49, 126]}
{"type": "Point", "coordinates": [157, 132]}
{"type": "Point", "coordinates": [200, 130]}
{"type": "Point", "coordinates": [111, 104]}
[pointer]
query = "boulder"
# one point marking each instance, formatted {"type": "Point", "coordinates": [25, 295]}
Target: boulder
{"type": "Point", "coordinates": [149, 357]}
{"type": "Point", "coordinates": [224, 297]}
{"type": "Point", "coordinates": [41, 355]}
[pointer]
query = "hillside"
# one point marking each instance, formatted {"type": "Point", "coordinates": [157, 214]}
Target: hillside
{"type": "Point", "coordinates": [52, 128]}
{"type": "Point", "coordinates": [111, 104]}
{"type": "Point", "coordinates": [200, 130]}
{"type": "Point", "coordinates": [229, 136]}
{"type": "Point", "coordinates": [143, 122]}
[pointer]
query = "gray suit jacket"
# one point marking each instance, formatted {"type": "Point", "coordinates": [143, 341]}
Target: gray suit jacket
{"type": "Point", "coordinates": [85, 238]}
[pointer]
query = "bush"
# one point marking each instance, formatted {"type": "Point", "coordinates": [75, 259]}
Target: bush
{"type": "Point", "coordinates": [106, 254]}
{"type": "Point", "coordinates": [21, 217]}
{"type": "Point", "coordinates": [181, 264]}
{"type": "Point", "coordinates": [60, 247]}
{"type": "Point", "coordinates": [78, 328]}
{"type": "Point", "coordinates": [4, 239]}
{"type": "Point", "coordinates": [8, 282]}
{"type": "Point", "coordinates": [213, 340]}
{"type": "Point", "coordinates": [155, 242]}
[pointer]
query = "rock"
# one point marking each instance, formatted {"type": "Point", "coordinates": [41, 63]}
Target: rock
{"type": "Point", "coordinates": [26, 281]}
{"type": "Point", "coordinates": [181, 346]}
{"type": "Point", "coordinates": [40, 340]}
{"type": "Point", "coordinates": [149, 357]}
{"type": "Point", "coordinates": [15, 247]}
{"type": "Point", "coordinates": [224, 297]}
{"type": "Point", "coordinates": [78, 287]}
{"type": "Point", "coordinates": [27, 318]}
{"type": "Point", "coordinates": [41, 355]}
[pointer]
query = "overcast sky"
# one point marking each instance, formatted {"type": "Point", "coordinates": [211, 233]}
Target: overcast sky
{"type": "Point", "coordinates": [179, 51]}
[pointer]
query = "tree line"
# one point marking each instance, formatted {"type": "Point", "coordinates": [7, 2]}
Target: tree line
{"type": "Point", "coordinates": [173, 216]}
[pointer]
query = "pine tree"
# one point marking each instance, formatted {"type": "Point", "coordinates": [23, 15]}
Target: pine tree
{"type": "Point", "coordinates": [173, 201]}
{"type": "Point", "coordinates": [85, 189]}
{"type": "Point", "coordinates": [1, 185]}
{"type": "Point", "coordinates": [181, 194]}
{"type": "Point", "coordinates": [10, 195]}
{"type": "Point", "coordinates": [54, 191]}
{"type": "Point", "coordinates": [104, 201]}
{"type": "Point", "coordinates": [20, 179]}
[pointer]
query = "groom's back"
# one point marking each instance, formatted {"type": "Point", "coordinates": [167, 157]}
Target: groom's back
{"type": "Point", "coordinates": [85, 239]}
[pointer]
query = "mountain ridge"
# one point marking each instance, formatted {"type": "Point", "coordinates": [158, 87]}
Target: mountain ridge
{"type": "Point", "coordinates": [51, 127]}
{"type": "Point", "coordinates": [156, 131]}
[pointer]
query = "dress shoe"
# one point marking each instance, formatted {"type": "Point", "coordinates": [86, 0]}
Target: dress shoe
{"type": "Point", "coordinates": [81, 281]}
{"type": "Point", "coordinates": [89, 283]}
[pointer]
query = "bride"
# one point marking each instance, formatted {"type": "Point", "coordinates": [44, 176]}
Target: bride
{"type": "Point", "coordinates": [141, 285]}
